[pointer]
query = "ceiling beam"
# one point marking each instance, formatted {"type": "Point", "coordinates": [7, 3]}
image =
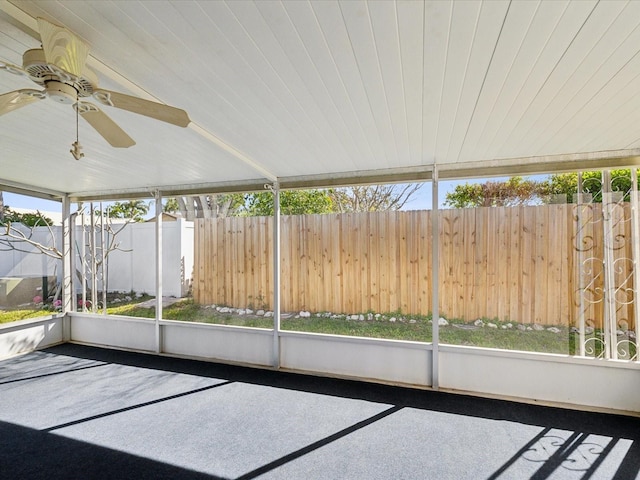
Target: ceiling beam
{"type": "Point", "coordinates": [541, 164]}
{"type": "Point", "coordinates": [30, 190]}
{"type": "Point", "coordinates": [458, 171]}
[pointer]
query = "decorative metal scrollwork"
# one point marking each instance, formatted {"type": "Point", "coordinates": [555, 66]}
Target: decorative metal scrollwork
{"type": "Point", "coordinates": [594, 347]}
{"type": "Point", "coordinates": [607, 244]}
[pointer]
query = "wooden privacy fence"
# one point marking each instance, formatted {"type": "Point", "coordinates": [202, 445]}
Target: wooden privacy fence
{"type": "Point", "coordinates": [520, 264]}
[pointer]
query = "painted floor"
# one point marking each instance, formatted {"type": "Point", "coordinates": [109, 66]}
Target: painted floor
{"type": "Point", "coordinates": [80, 412]}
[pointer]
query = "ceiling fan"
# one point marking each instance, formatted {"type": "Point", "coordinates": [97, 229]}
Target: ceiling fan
{"type": "Point", "coordinates": [60, 67]}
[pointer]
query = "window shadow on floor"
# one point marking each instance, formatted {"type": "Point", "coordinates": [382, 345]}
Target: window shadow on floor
{"type": "Point", "coordinates": [31, 454]}
{"type": "Point", "coordinates": [572, 441]}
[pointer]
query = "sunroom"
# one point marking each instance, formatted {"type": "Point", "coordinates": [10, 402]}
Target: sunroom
{"type": "Point", "coordinates": [535, 303]}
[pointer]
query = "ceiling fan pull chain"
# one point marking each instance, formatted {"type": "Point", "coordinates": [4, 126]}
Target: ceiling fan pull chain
{"type": "Point", "coordinates": [76, 149]}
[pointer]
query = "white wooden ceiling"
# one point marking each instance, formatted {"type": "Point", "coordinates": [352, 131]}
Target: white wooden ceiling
{"type": "Point", "coordinates": [309, 91]}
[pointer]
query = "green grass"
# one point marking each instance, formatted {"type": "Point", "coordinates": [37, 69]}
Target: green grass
{"type": "Point", "coordinates": [7, 316]}
{"type": "Point", "coordinates": [419, 329]}
{"type": "Point", "coordinates": [510, 339]}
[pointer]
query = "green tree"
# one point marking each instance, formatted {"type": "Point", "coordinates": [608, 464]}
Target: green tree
{"type": "Point", "coordinates": [171, 205]}
{"type": "Point", "coordinates": [29, 219]}
{"type": "Point", "coordinates": [510, 192]}
{"type": "Point", "coordinates": [133, 210]}
{"type": "Point", "coordinates": [292, 202]}
{"type": "Point", "coordinates": [519, 191]}
{"type": "Point", "coordinates": [567, 184]}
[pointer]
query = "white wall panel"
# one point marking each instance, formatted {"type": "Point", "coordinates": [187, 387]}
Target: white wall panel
{"type": "Point", "coordinates": [382, 360]}
{"type": "Point", "coordinates": [233, 344]}
{"type": "Point", "coordinates": [113, 331]}
{"type": "Point", "coordinates": [541, 377]}
{"type": "Point", "coordinates": [28, 335]}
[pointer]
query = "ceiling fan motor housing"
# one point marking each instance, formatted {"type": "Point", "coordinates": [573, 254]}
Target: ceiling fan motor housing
{"type": "Point", "coordinates": [43, 73]}
{"type": "Point", "coordinates": [61, 92]}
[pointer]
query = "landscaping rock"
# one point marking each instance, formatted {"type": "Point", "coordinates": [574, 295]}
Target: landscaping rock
{"type": "Point", "coordinates": [529, 329]}
{"type": "Point", "coordinates": [116, 300]}
{"type": "Point", "coordinates": [369, 316]}
{"type": "Point", "coordinates": [326, 314]}
{"type": "Point", "coordinates": [128, 298]}
{"type": "Point", "coordinates": [268, 314]}
{"type": "Point", "coordinates": [575, 330]}
{"type": "Point", "coordinates": [392, 319]}
{"type": "Point", "coordinates": [479, 323]}
{"type": "Point", "coordinates": [260, 313]}
{"type": "Point", "coordinates": [443, 322]}
{"type": "Point", "coordinates": [138, 295]}
{"type": "Point", "coordinates": [248, 311]}
{"type": "Point", "coordinates": [620, 333]}
{"type": "Point", "coordinates": [537, 327]}
{"type": "Point", "coordinates": [632, 334]}
{"type": "Point", "coordinates": [553, 330]}
{"type": "Point", "coordinates": [504, 327]}
{"type": "Point", "coordinates": [413, 320]}
{"type": "Point", "coordinates": [241, 311]}
{"type": "Point", "coordinates": [378, 316]}
{"type": "Point", "coordinates": [509, 325]}
{"type": "Point", "coordinates": [305, 314]}
{"type": "Point", "coordinates": [588, 330]}
{"type": "Point", "coordinates": [521, 327]}
{"type": "Point", "coordinates": [464, 326]}
{"type": "Point", "coordinates": [224, 310]}
{"type": "Point", "coordinates": [297, 316]}
{"type": "Point", "coordinates": [492, 325]}
{"type": "Point", "coordinates": [361, 317]}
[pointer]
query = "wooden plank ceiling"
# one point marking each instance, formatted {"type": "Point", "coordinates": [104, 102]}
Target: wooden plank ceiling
{"type": "Point", "coordinates": [310, 91]}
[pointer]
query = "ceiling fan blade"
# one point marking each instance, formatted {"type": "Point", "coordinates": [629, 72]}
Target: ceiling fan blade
{"type": "Point", "coordinates": [106, 127]}
{"type": "Point", "coordinates": [62, 48]}
{"type": "Point", "coordinates": [20, 98]}
{"type": "Point", "coordinates": [12, 69]}
{"type": "Point", "coordinates": [140, 106]}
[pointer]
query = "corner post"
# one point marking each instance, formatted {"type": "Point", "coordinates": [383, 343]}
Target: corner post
{"type": "Point", "coordinates": [158, 214]}
{"type": "Point", "coordinates": [435, 279]}
{"type": "Point", "coordinates": [67, 274]}
{"type": "Point", "coordinates": [276, 274]}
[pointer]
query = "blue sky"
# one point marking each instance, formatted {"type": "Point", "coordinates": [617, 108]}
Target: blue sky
{"type": "Point", "coordinates": [23, 201]}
